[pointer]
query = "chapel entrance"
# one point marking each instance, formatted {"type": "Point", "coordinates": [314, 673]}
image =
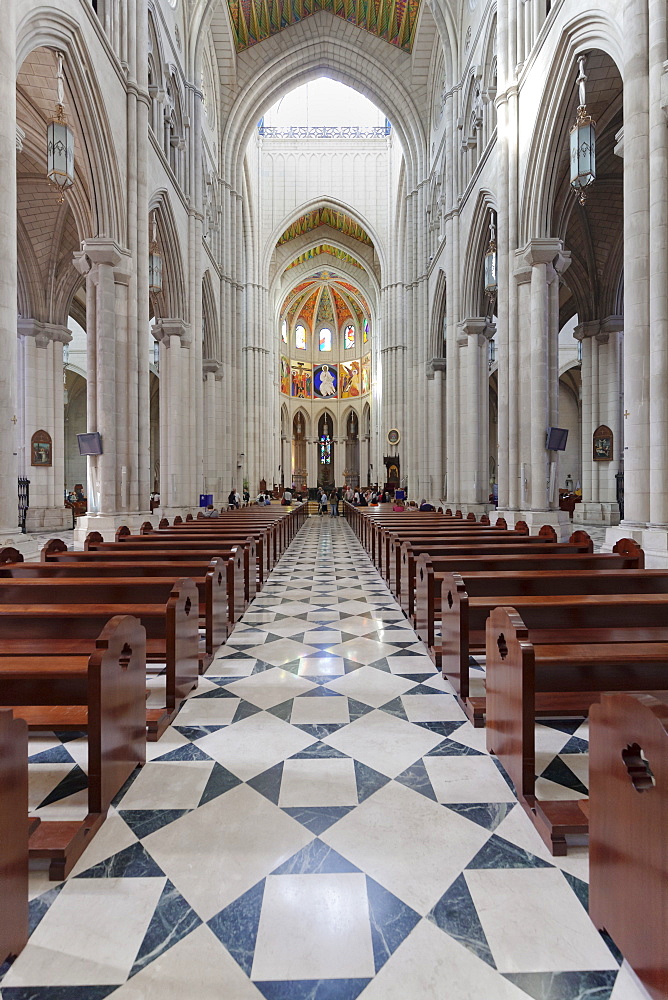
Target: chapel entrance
{"type": "Point", "coordinates": [351, 473]}
{"type": "Point", "coordinates": [326, 452]}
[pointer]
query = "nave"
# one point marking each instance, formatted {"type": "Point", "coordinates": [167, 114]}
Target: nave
{"type": "Point", "coordinates": [321, 823]}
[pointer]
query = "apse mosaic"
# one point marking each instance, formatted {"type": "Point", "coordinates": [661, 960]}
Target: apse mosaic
{"type": "Point", "coordinates": [302, 380]}
{"type": "Point", "coordinates": [325, 382]}
{"type": "Point", "coordinates": [350, 379]}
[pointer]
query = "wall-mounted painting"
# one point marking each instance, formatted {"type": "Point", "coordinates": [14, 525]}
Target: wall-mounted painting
{"type": "Point", "coordinates": [350, 379]}
{"type": "Point", "coordinates": [325, 382]}
{"type": "Point", "coordinates": [285, 376]}
{"type": "Point", "coordinates": [366, 374]}
{"type": "Point", "coordinates": [602, 444]}
{"type": "Point", "coordinates": [40, 448]}
{"type": "Point", "coordinates": [302, 378]}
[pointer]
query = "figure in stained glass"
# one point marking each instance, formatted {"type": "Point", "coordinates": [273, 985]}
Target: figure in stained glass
{"type": "Point", "coordinates": [325, 339]}
{"type": "Point", "coordinates": [300, 337]}
{"type": "Point", "coordinates": [349, 336]}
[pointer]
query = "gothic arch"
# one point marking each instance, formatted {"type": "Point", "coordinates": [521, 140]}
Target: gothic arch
{"type": "Point", "coordinates": [46, 27]}
{"type": "Point", "coordinates": [439, 315]}
{"type": "Point", "coordinates": [472, 296]}
{"type": "Point", "coordinates": [211, 349]}
{"type": "Point", "coordinates": [172, 301]}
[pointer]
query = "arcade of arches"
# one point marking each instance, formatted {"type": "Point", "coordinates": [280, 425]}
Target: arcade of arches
{"type": "Point", "coordinates": [373, 228]}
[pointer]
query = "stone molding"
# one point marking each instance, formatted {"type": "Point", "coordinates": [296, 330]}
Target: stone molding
{"type": "Point", "coordinates": [44, 333]}
{"type": "Point", "coordinates": [475, 326]}
{"type": "Point", "coordinates": [211, 366]}
{"type": "Point", "coordinates": [164, 329]}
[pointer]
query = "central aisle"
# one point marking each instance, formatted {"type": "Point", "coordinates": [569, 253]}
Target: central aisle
{"type": "Point", "coordinates": [321, 824]}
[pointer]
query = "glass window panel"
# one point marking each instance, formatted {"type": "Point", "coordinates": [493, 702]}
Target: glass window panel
{"type": "Point", "coordinates": [366, 331]}
{"type": "Point", "coordinates": [300, 337]}
{"type": "Point", "coordinates": [284, 331]}
{"type": "Point", "coordinates": [325, 343]}
{"type": "Point", "coordinates": [349, 336]}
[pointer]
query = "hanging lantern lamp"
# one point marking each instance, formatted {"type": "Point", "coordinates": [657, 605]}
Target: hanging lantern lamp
{"type": "Point", "coordinates": [491, 280]}
{"type": "Point", "coordinates": [60, 143]}
{"type": "Point", "coordinates": [154, 263]}
{"type": "Point", "coordinates": [583, 142]}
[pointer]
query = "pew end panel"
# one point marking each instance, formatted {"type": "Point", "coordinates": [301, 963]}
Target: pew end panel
{"type": "Point", "coordinates": [178, 519]}
{"type": "Point", "coordinates": [8, 554]}
{"type": "Point", "coordinates": [122, 533]}
{"type": "Point", "coordinates": [93, 539]}
{"type": "Point", "coordinates": [522, 527]}
{"type": "Point", "coordinates": [582, 538]}
{"type": "Point", "coordinates": [163, 523]}
{"type": "Point", "coordinates": [548, 533]}
{"type": "Point", "coordinates": [52, 548]}
{"type": "Point", "coordinates": [501, 523]}
{"type": "Point", "coordinates": [189, 517]}
{"type": "Point", "coordinates": [146, 528]}
{"type": "Point", "coordinates": [182, 633]}
{"type": "Point", "coordinates": [217, 617]}
{"type": "Point", "coordinates": [13, 835]}
{"type": "Point", "coordinates": [630, 549]}
{"type": "Point", "coordinates": [454, 634]}
{"type": "Point", "coordinates": [628, 817]}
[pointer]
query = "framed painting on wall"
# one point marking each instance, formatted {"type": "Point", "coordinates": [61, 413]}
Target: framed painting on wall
{"type": "Point", "coordinates": [40, 449]}
{"type": "Point", "coordinates": [603, 442]}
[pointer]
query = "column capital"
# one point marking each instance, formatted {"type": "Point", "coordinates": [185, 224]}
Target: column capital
{"type": "Point", "coordinates": [211, 366]}
{"type": "Point", "coordinates": [612, 324]}
{"type": "Point", "coordinates": [164, 329]}
{"type": "Point", "coordinates": [102, 250]}
{"type": "Point", "coordinates": [475, 326]}
{"type": "Point", "coordinates": [590, 328]}
{"type": "Point", "coordinates": [435, 365]}
{"type": "Point", "coordinates": [546, 251]}
{"type": "Point", "coordinates": [44, 333]}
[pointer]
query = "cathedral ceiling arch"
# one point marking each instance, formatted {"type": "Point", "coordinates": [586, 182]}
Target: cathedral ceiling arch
{"type": "Point", "coordinates": [381, 73]}
{"type": "Point", "coordinates": [172, 301]}
{"type": "Point", "coordinates": [46, 30]}
{"type": "Point", "coordinates": [473, 292]}
{"type": "Point", "coordinates": [301, 276]}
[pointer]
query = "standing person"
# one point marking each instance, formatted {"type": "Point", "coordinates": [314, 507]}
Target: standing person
{"type": "Point", "coordinates": [323, 502]}
{"type": "Point", "coordinates": [232, 498]}
{"type": "Point", "coordinates": [334, 503]}
{"type": "Point", "coordinates": [237, 500]}
{"type": "Point", "coordinates": [287, 497]}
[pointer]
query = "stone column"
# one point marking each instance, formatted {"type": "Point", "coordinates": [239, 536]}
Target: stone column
{"type": "Point", "coordinates": [538, 402]}
{"type": "Point", "coordinates": [177, 492]}
{"type": "Point", "coordinates": [474, 336]}
{"type": "Point", "coordinates": [8, 271]}
{"type": "Point", "coordinates": [107, 268]}
{"type": "Point", "coordinates": [42, 408]}
{"type": "Point", "coordinates": [211, 369]}
{"type": "Point", "coordinates": [436, 418]}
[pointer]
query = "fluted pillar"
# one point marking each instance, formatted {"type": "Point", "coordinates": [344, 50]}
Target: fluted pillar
{"type": "Point", "coordinates": [474, 336]}
{"type": "Point", "coordinates": [177, 489]}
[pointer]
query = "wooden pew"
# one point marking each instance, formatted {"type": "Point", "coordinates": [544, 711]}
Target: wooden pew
{"type": "Point", "coordinates": [71, 630]}
{"type": "Point", "coordinates": [13, 835]}
{"type": "Point", "coordinates": [260, 543]}
{"type": "Point", "coordinates": [579, 544]}
{"type": "Point", "coordinates": [467, 601]}
{"type": "Point", "coordinates": [132, 581]}
{"type": "Point", "coordinates": [104, 694]}
{"type": "Point", "coordinates": [628, 819]}
{"type": "Point", "coordinates": [590, 645]}
{"type": "Point", "coordinates": [430, 573]}
{"type": "Point", "coordinates": [132, 547]}
{"type": "Point", "coordinates": [389, 542]}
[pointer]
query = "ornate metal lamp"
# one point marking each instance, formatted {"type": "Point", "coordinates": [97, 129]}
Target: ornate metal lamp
{"type": "Point", "coordinates": [491, 280]}
{"type": "Point", "coordinates": [60, 143]}
{"type": "Point", "coordinates": [583, 142]}
{"type": "Point", "coordinates": [154, 263]}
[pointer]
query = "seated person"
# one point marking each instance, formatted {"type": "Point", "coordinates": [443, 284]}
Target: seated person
{"type": "Point", "coordinates": [210, 511]}
{"type": "Point", "coordinates": [398, 506]}
{"type": "Point", "coordinates": [426, 506]}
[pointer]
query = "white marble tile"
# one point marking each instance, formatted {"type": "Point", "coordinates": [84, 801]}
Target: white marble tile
{"type": "Point", "coordinates": [323, 782]}
{"type": "Point", "coordinates": [467, 779]}
{"type": "Point", "coordinates": [198, 966]}
{"type": "Point", "coordinates": [410, 844]}
{"type": "Point", "coordinates": [219, 851]}
{"type": "Point", "coordinates": [207, 712]}
{"type": "Point", "coordinates": [548, 740]}
{"type": "Point", "coordinates": [281, 651]}
{"type": "Point", "coordinates": [430, 965]}
{"type": "Point", "coordinates": [432, 708]}
{"type": "Point", "coordinates": [412, 665]}
{"type": "Point", "coordinates": [270, 687]}
{"type": "Point", "coordinates": [314, 927]}
{"type": "Point", "coordinates": [533, 921]}
{"type": "Point", "coordinates": [371, 686]}
{"type": "Point", "coordinates": [254, 744]}
{"type": "Point", "coordinates": [229, 666]}
{"type": "Point", "coordinates": [331, 636]}
{"type": "Point", "coordinates": [168, 785]}
{"type": "Point", "coordinates": [359, 626]}
{"type": "Point", "coordinates": [113, 836]}
{"type": "Point", "coordinates": [628, 986]}
{"type": "Point", "coordinates": [467, 735]}
{"type": "Point", "coordinates": [321, 666]}
{"type": "Point", "coordinates": [384, 742]}
{"type": "Point", "coordinates": [170, 740]}
{"type": "Point", "coordinates": [353, 607]}
{"type": "Point", "coordinates": [90, 934]}
{"type": "Point", "coordinates": [288, 627]}
{"type": "Point", "coordinates": [309, 711]}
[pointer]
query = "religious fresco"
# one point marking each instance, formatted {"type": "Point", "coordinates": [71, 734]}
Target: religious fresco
{"type": "Point", "coordinates": [325, 309]}
{"type": "Point", "coordinates": [366, 374]}
{"type": "Point", "coordinates": [285, 376]}
{"type": "Point", "coordinates": [325, 382]}
{"type": "Point", "coordinates": [350, 379]}
{"type": "Point", "coordinates": [325, 216]}
{"type": "Point", "coordinates": [324, 248]}
{"type": "Point", "coordinates": [342, 309]}
{"type": "Point", "coordinates": [302, 379]}
{"type": "Point", "coordinates": [306, 312]}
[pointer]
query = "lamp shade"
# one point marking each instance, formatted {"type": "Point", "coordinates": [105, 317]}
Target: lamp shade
{"type": "Point", "coordinates": [154, 271]}
{"type": "Point", "coordinates": [60, 151]}
{"type": "Point", "coordinates": [583, 153]}
{"type": "Point", "coordinates": [491, 280]}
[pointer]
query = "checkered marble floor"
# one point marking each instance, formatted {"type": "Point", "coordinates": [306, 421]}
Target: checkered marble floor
{"type": "Point", "coordinates": [321, 823]}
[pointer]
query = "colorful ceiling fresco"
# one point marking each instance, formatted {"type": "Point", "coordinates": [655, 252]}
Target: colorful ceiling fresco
{"type": "Point", "coordinates": [342, 308]}
{"type": "Point", "coordinates": [324, 216]}
{"type": "Point", "coordinates": [324, 248]}
{"type": "Point", "coordinates": [255, 20]}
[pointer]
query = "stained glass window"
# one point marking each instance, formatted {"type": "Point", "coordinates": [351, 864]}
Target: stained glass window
{"type": "Point", "coordinates": [349, 336]}
{"type": "Point", "coordinates": [284, 331]}
{"type": "Point", "coordinates": [365, 336]}
{"type": "Point", "coordinates": [325, 450]}
{"type": "Point", "coordinates": [325, 343]}
{"type": "Point", "coordinates": [300, 337]}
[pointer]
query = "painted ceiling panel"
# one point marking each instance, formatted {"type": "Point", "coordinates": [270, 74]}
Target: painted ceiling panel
{"type": "Point", "coordinates": [325, 217]}
{"type": "Point", "coordinates": [255, 20]}
{"type": "Point", "coordinates": [324, 248]}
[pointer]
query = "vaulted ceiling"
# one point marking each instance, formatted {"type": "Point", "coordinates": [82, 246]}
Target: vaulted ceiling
{"type": "Point", "coordinates": [393, 20]}
{"type": "Point", "coordinates": [325, 216]}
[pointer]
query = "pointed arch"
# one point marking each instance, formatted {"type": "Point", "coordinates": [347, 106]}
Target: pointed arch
{"type": "Point", "coordinates": [473, 292]}
{"type": "Point", "coordinates": [211, 348]}
{"type": "Point", "coordinates": [172, 301]}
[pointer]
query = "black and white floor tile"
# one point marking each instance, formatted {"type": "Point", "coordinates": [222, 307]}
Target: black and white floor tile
{"type": "Point", "coordinates": [321, 823]}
